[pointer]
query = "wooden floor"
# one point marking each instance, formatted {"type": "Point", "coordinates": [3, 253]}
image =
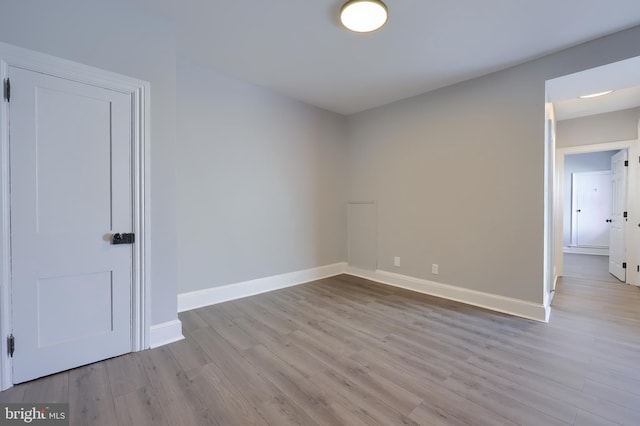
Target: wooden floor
{"type": "Point", "coordinates": [587, 266]}
{"type": "Point", "coordinates": [342, 351]}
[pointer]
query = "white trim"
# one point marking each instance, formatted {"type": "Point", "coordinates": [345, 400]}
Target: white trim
{"type": "Point", "coordinates": [596, 147]}
{"type": "Point", "coordinates": [139, 90]}
{"type": "Point", "coordinates": [225, 293]}
{"type": "Point", "coordinates": [633, 201]}
{"type": "Point", "coordinates": [52, 65]}
{"type": "Point", "coordinates": [214, 295]}
{"type": "Point", "coordinates": [141, 315]}
{"type": "Point", "coordinates": [597, 251]}
{"type": "Point", "coordinates": [165, 333]}
{"type": "Point", "coordinates": [6, 372]}
{"type": "Point", "coordinates": [548, 255]}
{"type": "Point", "coordinates": [517, 307]}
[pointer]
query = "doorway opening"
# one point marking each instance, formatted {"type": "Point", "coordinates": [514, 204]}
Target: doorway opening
{"type": "Point", "coordinates": [594, 200]}
{"type": "Point", "coordinates": [596, 122]}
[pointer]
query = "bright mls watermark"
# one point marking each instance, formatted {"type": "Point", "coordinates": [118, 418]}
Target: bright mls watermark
{"type": "Point", "coordinates": [34, 414]}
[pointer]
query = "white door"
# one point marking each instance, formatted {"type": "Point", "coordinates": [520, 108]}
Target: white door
{"type": "Point", "coordinates": [617, 242]}
{"type": "Point", "coordinates": [591, 194]}
{"type": "Point", "coordinates": [71, 188]}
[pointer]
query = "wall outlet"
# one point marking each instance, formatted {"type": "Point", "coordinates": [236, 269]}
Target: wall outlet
{"type": "Point", "coordinates": [396, 261]}
{"type": "Point", "coordinates": [434, 269]}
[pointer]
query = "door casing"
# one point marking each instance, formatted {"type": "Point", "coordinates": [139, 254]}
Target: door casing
{"type": "Point", "coordinates": [139, 91]}
{"type": "Point", "coordinates": [633, 201]}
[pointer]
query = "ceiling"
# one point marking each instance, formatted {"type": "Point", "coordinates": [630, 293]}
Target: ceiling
{"type": "Point", "coordinates": [575, 107]}
{"type": "Point", "coordinates": [622, 77]}
{"type": "Point", "coordinates": [298, 48]}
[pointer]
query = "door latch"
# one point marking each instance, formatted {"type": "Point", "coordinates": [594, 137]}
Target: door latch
{"type": "Point", "coordinates": [123, 238]}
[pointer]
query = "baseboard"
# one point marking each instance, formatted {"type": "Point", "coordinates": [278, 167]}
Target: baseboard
{"type": "Point", "coordinates": [211, 296]}
{"type": "Point", "coordinates": [165, 333]}
{"type": "Point", "coordinates": [586, 250]}
{"type": "Point", "coordinates": [214, 295]}
{"type": "Point", "coordinates": [517, 307]}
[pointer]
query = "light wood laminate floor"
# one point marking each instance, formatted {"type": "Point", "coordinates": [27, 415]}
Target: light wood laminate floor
{"type": "Point", "coordinates": [346, 351]}
{"type": "Point", "coordinates": [587, 266]}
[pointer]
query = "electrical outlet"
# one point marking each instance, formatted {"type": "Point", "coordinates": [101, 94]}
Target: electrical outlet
{"type": "Point", "coordinates": [434, 269]}
{"type": "Point", "coordinates": [396, 262]}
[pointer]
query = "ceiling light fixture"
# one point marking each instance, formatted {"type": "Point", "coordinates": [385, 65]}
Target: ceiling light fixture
{"type": "Point", "coordinates": [595, 95]}
{"type": "Point", "coordinates": [363, 16]}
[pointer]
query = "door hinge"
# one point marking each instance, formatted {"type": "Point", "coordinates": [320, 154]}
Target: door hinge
{"type": "Point", "coordinates": [638, 268]}
{"type": "Point", "coordinates": [624, 265]}
{"type": "Point", "coordinates": [624, 214]}
{"type": "Point", "coordinates": [11, 345]}
{"type": "Point", "coordinates": [626, 163]}
{"type": "Point", "coordinates": [7, 89]}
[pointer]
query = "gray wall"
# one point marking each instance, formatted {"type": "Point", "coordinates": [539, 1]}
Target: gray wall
{"type": "Point", "coordinates": [261, 177]}
{"type": "Point", "coordinates": [260, 182]}
{"type": "Point", "coordinates": [575, 163]}
{"type": "Point", "coordinates": [458, 173]}
{"type": "Point", "coordinates": [608, 127]}
{"type": "Point", "coordinates": [121, 39]}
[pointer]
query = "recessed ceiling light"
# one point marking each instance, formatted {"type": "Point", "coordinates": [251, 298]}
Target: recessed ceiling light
{"type": "Point", "coordinates": [363, 16]}
{"type": "Point", "coordinates": [595, 95]}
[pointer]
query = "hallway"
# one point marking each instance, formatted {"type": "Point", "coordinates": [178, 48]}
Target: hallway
{"type": "Point", "coordinates": [588, 267]}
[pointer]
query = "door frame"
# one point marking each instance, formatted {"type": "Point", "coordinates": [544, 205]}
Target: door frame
{"type": "Point", "coordinates": [633, 202]}
{"type": "Point", "coordinates": [139, 91]}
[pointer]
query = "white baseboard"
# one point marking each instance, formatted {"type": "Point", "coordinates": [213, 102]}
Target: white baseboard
{"type": "Point", "coordinates": [214, 295]}
{"type": "Point", "coordinates": [517, 307]}
{"type": "Point", "coordinates": [586, 250]}
{"type": "Point", "coordinates": [211, 296]}
{"type": "Point", "coordinates": [165, 333]}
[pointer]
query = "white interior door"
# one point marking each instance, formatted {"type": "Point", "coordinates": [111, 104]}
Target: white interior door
{"type": "Point", "coordinates": [591, 203]}
{"type": "Point", "coordinates": [617, 241]}
{"type": "Point", "coordinates": [71, 188]}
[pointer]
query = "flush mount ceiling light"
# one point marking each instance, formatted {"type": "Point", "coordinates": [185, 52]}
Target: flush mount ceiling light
{"type": "Point", "coordinates": [363, 16]}
{"type": "Point", "coordinates": [595, 95]}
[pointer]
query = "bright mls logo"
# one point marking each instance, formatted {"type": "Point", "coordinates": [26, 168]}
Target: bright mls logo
{"type": "Point", "coordinates": [34, 414]}
{"type": "Point", "coordinates": [27, 415]}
